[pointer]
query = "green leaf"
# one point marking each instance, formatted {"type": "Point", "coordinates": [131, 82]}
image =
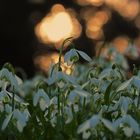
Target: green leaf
{"type": "Point", "coordinates": [107, 93]}
{"type": "Point", "coordinates": [124, 85]}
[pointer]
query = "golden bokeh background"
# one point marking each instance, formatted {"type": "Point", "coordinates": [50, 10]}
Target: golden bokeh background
{"type": "Point", "coordinates": [32, 31]}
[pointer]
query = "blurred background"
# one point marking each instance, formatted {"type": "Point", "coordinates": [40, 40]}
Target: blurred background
{"type": "Point", "coordinates": [32, 31]}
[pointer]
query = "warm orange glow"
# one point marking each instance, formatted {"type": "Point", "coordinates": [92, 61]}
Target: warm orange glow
{"type": "Point", "coordinates": [57, 26]}
{"type": "Point", "coordinates": [116, 4]}
{"type": "Point", "coordinates": [94, 29]}
{"type": "Point", "coordinates": [96, 2]}
{"type": "Point", "coordinates": [94, 24]}
{"type": "Point", "coordinates": [43, 62]}
{"type": "Point", "coordinates": [90, 2]}
{"type": "Point", "coordinates": [53, 30]}
{"type": "Point", "coordinates": [57, 8]}
{"type": "Point", "coordinates": [127, 8]}
{"type": "Point", "coordinates": [103, 16]}
{"type": "Point", "coordinates": [96, 35]}
{"type": "Point", "coordinates": [95, 21]}
{"type": "Point", "coordinates": [121, 43]}
{"type": "Point", "coordinates": [131, 9]}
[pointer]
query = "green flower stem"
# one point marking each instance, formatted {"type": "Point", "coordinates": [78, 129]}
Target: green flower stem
{"type": "Point", "coordinates": [13, 101]}
{"type": "Point", "coordinates": [84, 104]}
{"type": "Point", "coordinates": [138, 100]}
{"type": "Point", "coordinates": [100, 50]}
{"type": "Point", "coordinates": [4, 106]}
{"type": "Point", "coordinates": [62, 111]}
{"type": "Point", "coordinates": [60, 116]}
{"type": "Point", "coordinates": [61, 50]}
{"type": "Point", "coordinates": [59, 110]}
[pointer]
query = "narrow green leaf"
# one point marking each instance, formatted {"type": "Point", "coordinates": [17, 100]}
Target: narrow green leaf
{"type": "Point", "coordinates": [124, 85]}
{"type": "Point", "coordinates": [107, 93]}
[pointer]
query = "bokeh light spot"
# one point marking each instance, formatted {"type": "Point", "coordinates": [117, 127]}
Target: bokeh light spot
{"type": "Point", "coordinates": [58, 25]}
{"type": "Point", "coordinates": [44, 62]}
{"type": "Point", "coordinates": [121, 43]}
